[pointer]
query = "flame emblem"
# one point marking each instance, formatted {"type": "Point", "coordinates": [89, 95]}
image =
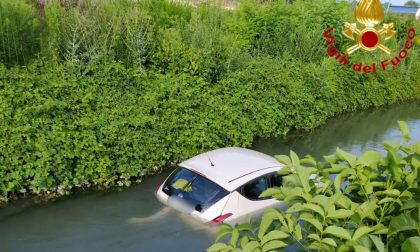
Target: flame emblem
{"type": "Point", "coordinates": [369, 13]}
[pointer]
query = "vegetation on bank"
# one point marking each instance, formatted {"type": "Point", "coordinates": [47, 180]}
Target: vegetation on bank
{"type": "Point", "coordinates": [106, 92]}
{"type": "Point", "coordinates": [365, 203]}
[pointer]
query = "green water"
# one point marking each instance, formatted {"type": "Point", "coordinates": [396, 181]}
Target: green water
{"type": "Point", "coordinates": [133, 220]}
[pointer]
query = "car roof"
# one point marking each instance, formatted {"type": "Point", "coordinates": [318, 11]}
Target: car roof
{"type": "Point", "coordinates": [231, 167]}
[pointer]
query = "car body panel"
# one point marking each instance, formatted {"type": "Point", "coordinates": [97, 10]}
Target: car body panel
{"type": "Point", "coordinates": [230, 168]}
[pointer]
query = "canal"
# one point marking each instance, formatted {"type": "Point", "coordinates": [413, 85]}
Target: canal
{"type": "Point", "coordinates": [133, 219]}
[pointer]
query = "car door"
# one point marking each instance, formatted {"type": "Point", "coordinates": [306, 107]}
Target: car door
{"type": "Point", "coordinates": [249, 203]}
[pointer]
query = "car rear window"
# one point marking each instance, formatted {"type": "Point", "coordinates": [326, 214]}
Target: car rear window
{"type": "Point", "coordinates": [193, 188]}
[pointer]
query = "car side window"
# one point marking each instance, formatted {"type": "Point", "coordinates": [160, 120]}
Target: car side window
{"type": "Point", "coordinates": [275, 180]}
{"type": "Point", "coordinates": [254, 188]}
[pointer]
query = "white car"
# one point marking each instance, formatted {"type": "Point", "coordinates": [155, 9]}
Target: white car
{"type": "Point", "coordinates": [222, 185]}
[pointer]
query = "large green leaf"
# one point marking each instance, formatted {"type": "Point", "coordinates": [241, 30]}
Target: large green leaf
{"type": "Point", "coordinates": [266, 221]}
{"type": "Point", "coordinates": [316, 223]}
{"type": "Point", "coordinates": [338, 232]}
{"type": "Point", "coordinates": [304, 173]}
{"type": "Point", "coordinates": [251, 246]}
{"type": "Point", "coordinates": [337, 182]}
{"type": "Point", "coordinates": [284, 160]}
{"type": "Point", "coordinates": [217, 247]}
{"type": "Point", "coordinates": [274, 235]}
{"type": "Point", "coordinates": [341, 213]}
{"type": "Point", "coordinates": [350, 158]}
{"type": "Point", "coordinates": [224, 230]}
{"type": "Point", "coordinates": [271, 192]}
{"type": "Point", "coordinates": [367, 209]}
{"type": "Point", "coordinates": [405, 130]}
{"type": "Point", "coordinates": [329, 241]}
{"type": "Point", "coordinates": [314, 237]}
{"type": "Point", "coordinates": [244, 241]}
{"type": "Point", "coordinates": [315, 208]}
{"type": "Point", "coordinates": [295, 159]}
{"type": "Point", "coordinates": [378, 243]}
{"type": "Point", "coordinates": [273, 245]}
{"type": "Point", "coordinates": [370, 158]}
{"type": "Point", "coordinates": [361, 231]}
{"type": "Point", "coordinates": [234, 238]}
{"type": "Point", "coordinates": [415, 147]}
{"type": "Point", "coordinates": [394, 160]}
{"type": "Point", "coordinates": [401, 223]}
{"type": "Point", "coordinates": [412, 244]}
{"type": "Point", "coordinates": [360, 248]}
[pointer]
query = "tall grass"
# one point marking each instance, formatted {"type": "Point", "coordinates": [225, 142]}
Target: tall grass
{"type": "Point", "coordinates": [19, 32]}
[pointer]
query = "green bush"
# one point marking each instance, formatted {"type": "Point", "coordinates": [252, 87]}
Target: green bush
{"type": "Point", "coordinates": [105, 92]}
{"type": "Point", "coordinates": [365, 203]}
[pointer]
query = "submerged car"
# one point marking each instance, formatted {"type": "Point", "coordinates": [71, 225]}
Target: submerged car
{"type": "Point", "coordinates": [222, 185]}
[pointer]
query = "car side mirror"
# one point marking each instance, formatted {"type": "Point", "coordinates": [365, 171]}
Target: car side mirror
{"type": "Point", "coordinates": [198, 208]}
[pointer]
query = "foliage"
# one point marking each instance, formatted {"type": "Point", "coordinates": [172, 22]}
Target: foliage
{"type": "Point", "coordinates": [104, 92]}
{"type": "Point", "coordinates": [19, 31]}
{"type": "Point", "coordinates": [347, 203]}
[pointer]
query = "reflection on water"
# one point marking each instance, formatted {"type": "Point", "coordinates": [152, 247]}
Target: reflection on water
{"type": "Point", "coordinates": [355, 132]}
{"type": "Point", "coordinates": [134, 220]}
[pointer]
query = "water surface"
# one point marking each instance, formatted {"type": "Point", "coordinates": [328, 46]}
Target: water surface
{"type": "Point", "coordinates": [115, 221]}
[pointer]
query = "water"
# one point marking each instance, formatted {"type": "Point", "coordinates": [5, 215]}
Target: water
{"type": "Point", "coordinates": [120, 220]}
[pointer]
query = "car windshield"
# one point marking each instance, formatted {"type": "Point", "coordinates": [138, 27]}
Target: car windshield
{"type": "Point", "coordinates": [193, 188]}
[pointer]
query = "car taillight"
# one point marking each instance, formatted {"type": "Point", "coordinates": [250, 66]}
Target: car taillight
{"type": "Point", "coordinates": [157, 188]}
{"type": "Point", "coordinates": [221, 218]}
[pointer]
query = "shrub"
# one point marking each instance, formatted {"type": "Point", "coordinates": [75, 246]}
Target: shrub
{"type": "Point", "coordinates": [346, 203]}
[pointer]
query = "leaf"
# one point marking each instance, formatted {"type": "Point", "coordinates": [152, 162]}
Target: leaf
{"type": "Point", "coordinates": [391, 145]}
{"type": "Point", "coordinates": [361, 231]}
{"type": "Point", "coordinates": [295, 159]}
{"type": "Point", "coordinates": [360, 248]}
{"type": "Point", "coordinates": [392, 192]}
{"type": "Point", "coordinates": [304, 173]}
{"type": "Point", "coordinates": [385, 200]}
{"type": "Point", "coordinates": [315, 208]}
{"type": "Point", "coordinates": [243, 227]}
{"type": "Point", "coordinates": [284, 160]}
{"type": "Point", "coordinates": [335, 168]}
{"type": "Point", "coordinates": [405, 130]}
{"type": "Point", "coordinates": [411, 244]}
{"type": "Point", "coordinates": [367, 209]}
{"type": "Point", "coordinates": [393, 164]}
{"type": "Point", "coordinates": [274, 235]}
{"type": "Point", "coordinates": [314, 237]}
{"type": "Point", "coordinates": [338, 232]}
{"type": "Point", "coordinates": [410, 204]}
{"type": "Point", "coordinates": [320, 200]}
{"type": "Point", "coordinates": [330, 159]}
{"type": "Point", "coordinates": [337, 182]}
{"type": "Point", "coordinates": [341, 213]}
{"type": "Point", "coordinates": [297, 232]}
{"type": "Point", "coordinates": [416, 148]}
{"type": "Point", "coordinates": [266, 221]}
{"type": "Point", "coordinates": [251, 246]}
{"type": "Point", "coordinates": [378, 243]}
{"type": "Point", "coordinates": [370, 158]}
{"type": "Point", "coordinates": [308, 160]}
{"type": "Point", "coordinates": [234, 238]}
{"type": "Point", "coordinates": [329, 241]}
{"type": "Point", "coordinates": [272, 245]}
{"type": "Point", "coordinates": [217, 247]}
{"type": "Point", "coordinates": [314, 222]}
{"type": "Point", "coordinates": [401, 223]}
{"type": "Point", "coordinates": [244, 241]}
{"type": "Point", "coordinates": [350, 158]}
{"type": "Point", "coordinates": [270, 192]}
{"type": "Point", "coordinates": [224, 230]}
